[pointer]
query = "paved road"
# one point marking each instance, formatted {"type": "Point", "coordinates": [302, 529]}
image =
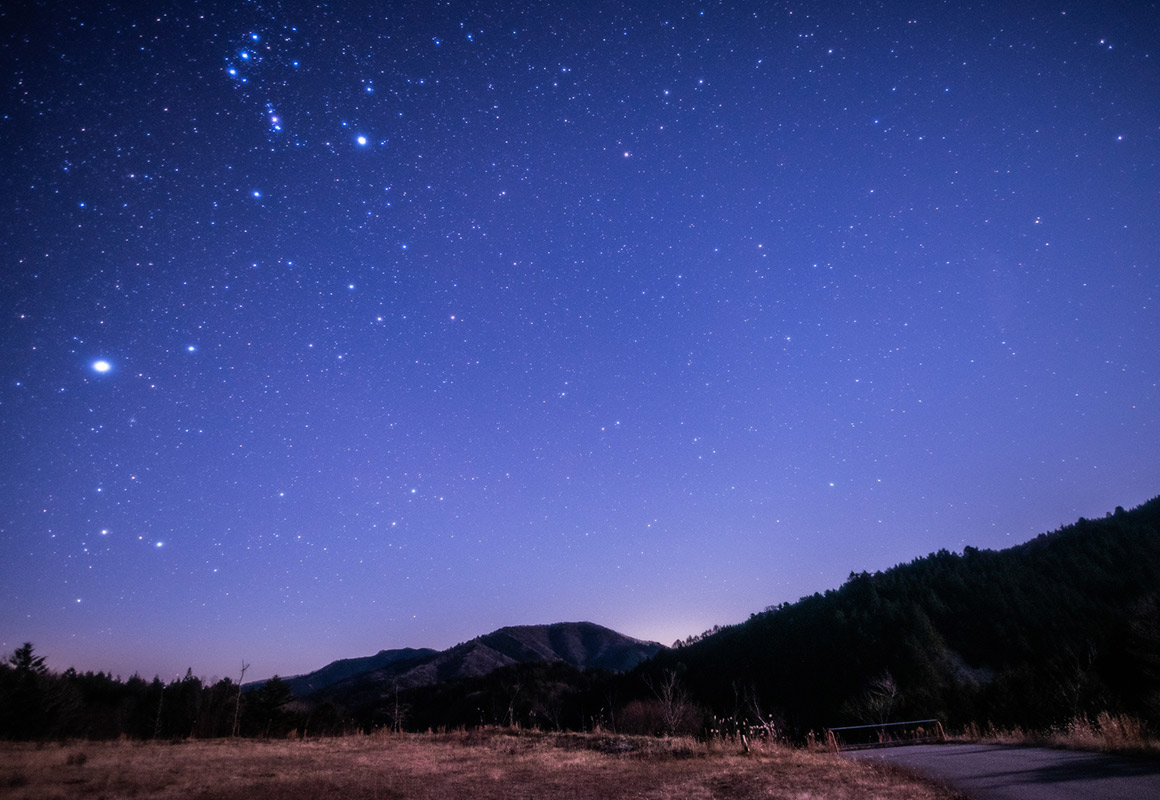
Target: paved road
{"type": "Point", "coordinates": [997, 772]}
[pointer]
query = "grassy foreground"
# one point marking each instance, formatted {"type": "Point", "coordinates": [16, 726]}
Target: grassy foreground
{"type": "Point", "coordinates": [476, 764]}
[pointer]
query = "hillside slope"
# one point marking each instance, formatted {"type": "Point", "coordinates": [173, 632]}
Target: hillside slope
{"type": "Point", "coordinates": [338, 671]}
{"type": "Point", "coordinates": [1064, 625]}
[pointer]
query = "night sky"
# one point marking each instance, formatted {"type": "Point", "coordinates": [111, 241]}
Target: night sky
{"type": "Point", "coordinates": [328, 329]}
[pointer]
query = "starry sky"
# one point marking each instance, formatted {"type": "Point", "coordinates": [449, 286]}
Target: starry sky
{"type": "Point", "coordinates": [336, 327]}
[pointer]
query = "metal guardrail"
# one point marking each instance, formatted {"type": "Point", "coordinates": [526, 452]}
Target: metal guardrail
{"type": "Point", "coordinates": [920, 735]}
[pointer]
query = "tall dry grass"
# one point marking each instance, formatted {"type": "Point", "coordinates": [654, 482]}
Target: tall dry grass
{"type": "Point", "coordinates": [1107, 733]}
{"type": "Point", "coordinates": [481, 765]}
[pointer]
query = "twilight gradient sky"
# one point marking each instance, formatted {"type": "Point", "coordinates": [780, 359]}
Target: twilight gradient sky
{"type": "Point", "coordinates": [334, 328]}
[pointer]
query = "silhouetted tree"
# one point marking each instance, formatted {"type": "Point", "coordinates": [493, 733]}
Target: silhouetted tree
{"type": "Point", "coordinates": [26, 662]}
{"type": "Point", "coordinates": [24, 685]}
{"type": "Point", "coordinates": [265, 711]}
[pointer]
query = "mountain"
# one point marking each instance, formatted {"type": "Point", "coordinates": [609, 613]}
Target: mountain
{"type": "Point", "coordinates": [345, 668]}
{"type": "Point", "coordinates": [1062, 626]}
{"type": "Point", "coordinates": [583, 645]}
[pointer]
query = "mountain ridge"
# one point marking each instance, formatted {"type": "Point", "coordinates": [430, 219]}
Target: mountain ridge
{"type": "Point", "coordinates": [583, 645]}
{"type": "Point", "coordinates": [345, 668]}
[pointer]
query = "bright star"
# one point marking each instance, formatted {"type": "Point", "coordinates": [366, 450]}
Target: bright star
{"type": "Point", "coordinates": [362, 141]}
{"type": "Point", "coordinates": [102, 366]}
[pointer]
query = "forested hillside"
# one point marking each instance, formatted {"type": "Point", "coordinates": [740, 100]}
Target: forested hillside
{"type": "Point", "coordinates": [1063, 625]}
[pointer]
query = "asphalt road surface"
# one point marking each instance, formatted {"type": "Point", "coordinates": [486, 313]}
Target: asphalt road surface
{"type": "Point", "coordinates": [998, 772]}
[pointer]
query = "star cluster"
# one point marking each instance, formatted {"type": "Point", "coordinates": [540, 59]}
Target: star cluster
{"type": "Point", "coordinates": [336, 327]}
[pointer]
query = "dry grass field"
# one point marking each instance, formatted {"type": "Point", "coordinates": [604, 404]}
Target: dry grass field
{"type": "Point", "coordinates": [477, 765]}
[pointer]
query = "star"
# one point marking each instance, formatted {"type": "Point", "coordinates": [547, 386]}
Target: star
{"type": "Point", "coordinates": [784, 256]}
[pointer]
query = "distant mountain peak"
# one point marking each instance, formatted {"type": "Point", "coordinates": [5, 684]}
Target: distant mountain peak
{"type": "Point", "coordinates": [584, 645]}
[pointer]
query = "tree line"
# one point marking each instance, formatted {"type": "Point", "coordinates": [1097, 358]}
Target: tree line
{"type": "Point", "coordinates": [38, 704]}
{"type": "Point", "coordinates": [1066, 625]}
